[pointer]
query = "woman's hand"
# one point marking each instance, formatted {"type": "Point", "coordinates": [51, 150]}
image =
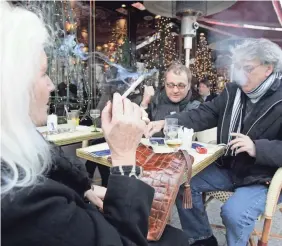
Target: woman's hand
{"type": "Point", "coordinates": [154, 127]}
{"type": "Point", "coordinates": [96, 195]}
{"type": "Point", "coordinates": [123, 128]}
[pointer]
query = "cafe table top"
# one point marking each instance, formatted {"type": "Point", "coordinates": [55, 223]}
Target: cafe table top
{"type": "Point", "coordinates": [201, 161]}
{"type": "Point", "coordinates": [82, 133]}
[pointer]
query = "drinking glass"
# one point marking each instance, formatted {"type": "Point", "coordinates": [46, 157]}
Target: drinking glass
{"type": "Point", "coordinates": [173, 138]}
{"type": "Point", "coordinates": [170, 122]}
{"type": "Point", "coordinates": [95, 114]}
{"type": "Point", "coordinates": [76, 115]}
{"type": "Point", "coordinates": [72, 120]}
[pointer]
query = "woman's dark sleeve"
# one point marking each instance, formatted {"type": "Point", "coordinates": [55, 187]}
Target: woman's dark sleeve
{"type": "Point", "coordinates": [55, 215]}
{"type": "Point", "coordinates": [127, 206]}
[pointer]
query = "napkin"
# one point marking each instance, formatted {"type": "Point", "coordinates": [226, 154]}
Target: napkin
{"type": "Point", "coordinates": [186, 136]}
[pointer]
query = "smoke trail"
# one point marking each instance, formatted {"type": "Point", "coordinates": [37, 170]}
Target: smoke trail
{"type": "Point", "coordinates": [119, 73]}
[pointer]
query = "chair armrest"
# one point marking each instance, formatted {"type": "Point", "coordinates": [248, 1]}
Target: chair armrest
{"type": "Point", "coordinates": [273, 194]}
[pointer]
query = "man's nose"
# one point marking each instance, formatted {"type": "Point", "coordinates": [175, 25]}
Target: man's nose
{"type": "Point", "coordinates": [175, 89]}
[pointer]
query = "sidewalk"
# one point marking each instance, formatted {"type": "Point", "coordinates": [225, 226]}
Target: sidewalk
{"type": "Point", "coordinates": [214, 216]}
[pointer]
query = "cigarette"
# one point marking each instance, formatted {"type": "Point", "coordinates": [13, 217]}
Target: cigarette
{"type": "Point", "coordinates": [133, 86]}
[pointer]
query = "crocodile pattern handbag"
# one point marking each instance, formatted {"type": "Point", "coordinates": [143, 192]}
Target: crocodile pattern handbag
{"type": "Point", "coordinates": [164, 172]}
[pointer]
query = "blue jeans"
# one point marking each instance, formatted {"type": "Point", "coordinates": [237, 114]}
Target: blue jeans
{"type": "Point", "coordinates": [238, 214]}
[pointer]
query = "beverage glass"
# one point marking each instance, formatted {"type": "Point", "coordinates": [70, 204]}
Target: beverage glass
{"type": "Point", "coordinates": [170, 122]}
{"type": "Point", "coordinates": [173, 138]}
{"type": "Point", "coordinates": [95, 114]}
{"type": "Point", "coordinates": [76, 113]}
{"type": "Point", "coordinates": [72, 120]}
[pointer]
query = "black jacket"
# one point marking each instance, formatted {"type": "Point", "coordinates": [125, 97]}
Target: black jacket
{"type": "Point", "coordinates": [210, 97]}
{"type": "Point", "coordinates": [263, 126]}
{"type": "Point", "coordinates": [54, 213]}
{"type": "Point", "coordinates": [160, 107]}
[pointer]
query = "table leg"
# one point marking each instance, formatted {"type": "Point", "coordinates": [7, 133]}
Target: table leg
{"type": "Point", "coordinates": [85, 143]}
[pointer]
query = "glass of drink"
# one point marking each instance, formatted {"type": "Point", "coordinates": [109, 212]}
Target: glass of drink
{"type": "Point", "coordinates": [95, 114]}
{"type": "Point", "coordinates": [76, 114]}
{"type": "Point", "coordinates": [72, 120]}
{"type": "Point", "coordinates": [170, 122]}
{"type": "Point", "coordinates": [173, 138]}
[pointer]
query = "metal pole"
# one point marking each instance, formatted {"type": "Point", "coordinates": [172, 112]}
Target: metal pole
{"type": "Point", "coordinates": [187, 47]}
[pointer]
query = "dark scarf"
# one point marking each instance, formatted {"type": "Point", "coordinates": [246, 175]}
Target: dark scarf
{"type": "Point", "coordinates": [182, 104]}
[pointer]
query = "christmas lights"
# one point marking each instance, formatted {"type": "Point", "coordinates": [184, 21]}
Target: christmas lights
{"type": "Point", "coordinates": [162, 51]}
{"type": "Point", "coordinates": [203, 67]}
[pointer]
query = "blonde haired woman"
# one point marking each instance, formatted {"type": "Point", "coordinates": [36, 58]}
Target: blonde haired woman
{"type": "Point", "coordinates": [42, 193]}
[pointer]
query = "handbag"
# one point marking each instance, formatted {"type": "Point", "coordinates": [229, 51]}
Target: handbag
{"type": "Point", "coordinates": [164, 172]}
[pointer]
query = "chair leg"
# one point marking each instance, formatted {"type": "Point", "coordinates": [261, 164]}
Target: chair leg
{"type": "Point", "coordinates": [252, 242]}
{"type": "Point", "coordinates": [265, 233]}
{"type": "Point", "coordinates": [204, 197]}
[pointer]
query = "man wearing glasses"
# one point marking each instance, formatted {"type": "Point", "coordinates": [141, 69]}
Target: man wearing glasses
{"type": "Point", "coordinates": [175, 97]}
{"type": "Point", "coordinates": [248, 115]}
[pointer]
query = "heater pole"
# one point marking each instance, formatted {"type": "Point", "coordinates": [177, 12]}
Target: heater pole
{"type": "Point", "coordinates": [187, 47]}
{"type": "Point", "coordinates": [189, 27]}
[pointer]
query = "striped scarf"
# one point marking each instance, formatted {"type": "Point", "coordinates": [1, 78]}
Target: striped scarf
{"type": "Point", "coordinates": [237, 110]}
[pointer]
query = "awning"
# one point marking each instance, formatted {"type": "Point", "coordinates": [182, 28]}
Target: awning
{"type": "Point", "coordinates": [257, 19]}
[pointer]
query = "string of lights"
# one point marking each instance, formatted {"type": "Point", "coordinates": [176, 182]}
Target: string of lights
{"type": "Point", "coordinates": [162, 51]}
{"type": "Point", "coordinates": [68, 72]}
{"type": "Point", "coordinates": [203, 66]}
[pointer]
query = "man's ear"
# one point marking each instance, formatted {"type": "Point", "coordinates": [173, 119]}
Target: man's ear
{"type": "Point", "coordinates": [189, 87]}
{"type": "Point", "coordinates": [269, 70]}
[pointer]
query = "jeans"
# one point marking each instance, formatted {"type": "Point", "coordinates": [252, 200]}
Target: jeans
{"type": "Point", "coordinates": [103, 170]}
{"type": "Point", "coordinates": [238, 214]}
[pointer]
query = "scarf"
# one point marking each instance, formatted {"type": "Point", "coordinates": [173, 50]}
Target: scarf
{"type": "Point", "coordinates": [182, 104]}
{"type": "Point", "coordinates": [237, 110]}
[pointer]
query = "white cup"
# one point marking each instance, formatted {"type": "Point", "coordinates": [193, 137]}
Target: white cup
{"type": "Point", "coordinates": [52, 123]}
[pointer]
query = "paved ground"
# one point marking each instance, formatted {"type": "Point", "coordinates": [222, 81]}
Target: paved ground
{"type": "Point", "coordinates": [214, 216]}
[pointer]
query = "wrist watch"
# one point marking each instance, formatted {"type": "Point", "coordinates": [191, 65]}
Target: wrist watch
{"type": "Point", "coordinates": [130, 171]}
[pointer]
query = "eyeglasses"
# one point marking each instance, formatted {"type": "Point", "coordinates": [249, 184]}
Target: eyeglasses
{"type": "Point", "coordinates": [248, 68]}
{"type": "Point", "coordinates": [179, 86]}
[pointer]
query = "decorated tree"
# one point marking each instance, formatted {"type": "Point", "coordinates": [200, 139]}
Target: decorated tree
{"type": "Point", "coordinates": [114, 48]}
{"type": "Point", "coordinates": [67, 57]}
{"type": "Point", "coordinates": [162, 51]}
{"type": "Point", "coordinates": [123, 54]}
{"type": "Point", "coordinates": [203, 67]}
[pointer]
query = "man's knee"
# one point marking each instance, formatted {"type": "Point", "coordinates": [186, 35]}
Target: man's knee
{"type": "Point", "coordinates": [234, 217]}
{"type": "Point", "coordinates": [197, 185]}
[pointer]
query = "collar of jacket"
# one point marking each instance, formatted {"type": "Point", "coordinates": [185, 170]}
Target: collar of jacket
{"type": "Point", "coordinates": [276, 85]}
{"type": "Point", "coordinates": [268, 101]}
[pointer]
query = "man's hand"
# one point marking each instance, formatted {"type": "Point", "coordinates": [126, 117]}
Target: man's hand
{"type": "Point", "coordinates": [243, 144]}
{"type": "Point", "coordinates": [145, 116]}
{"type": "Point", "coordinates": [154, 127]}
{"type": "Point", "coordinates": [149, 92]}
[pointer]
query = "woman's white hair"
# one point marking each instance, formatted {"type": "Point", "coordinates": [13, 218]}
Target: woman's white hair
{"type": "Point", "coordinates": [263, 49]}
{"type": "Point", "coordinates": [25, 155]}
